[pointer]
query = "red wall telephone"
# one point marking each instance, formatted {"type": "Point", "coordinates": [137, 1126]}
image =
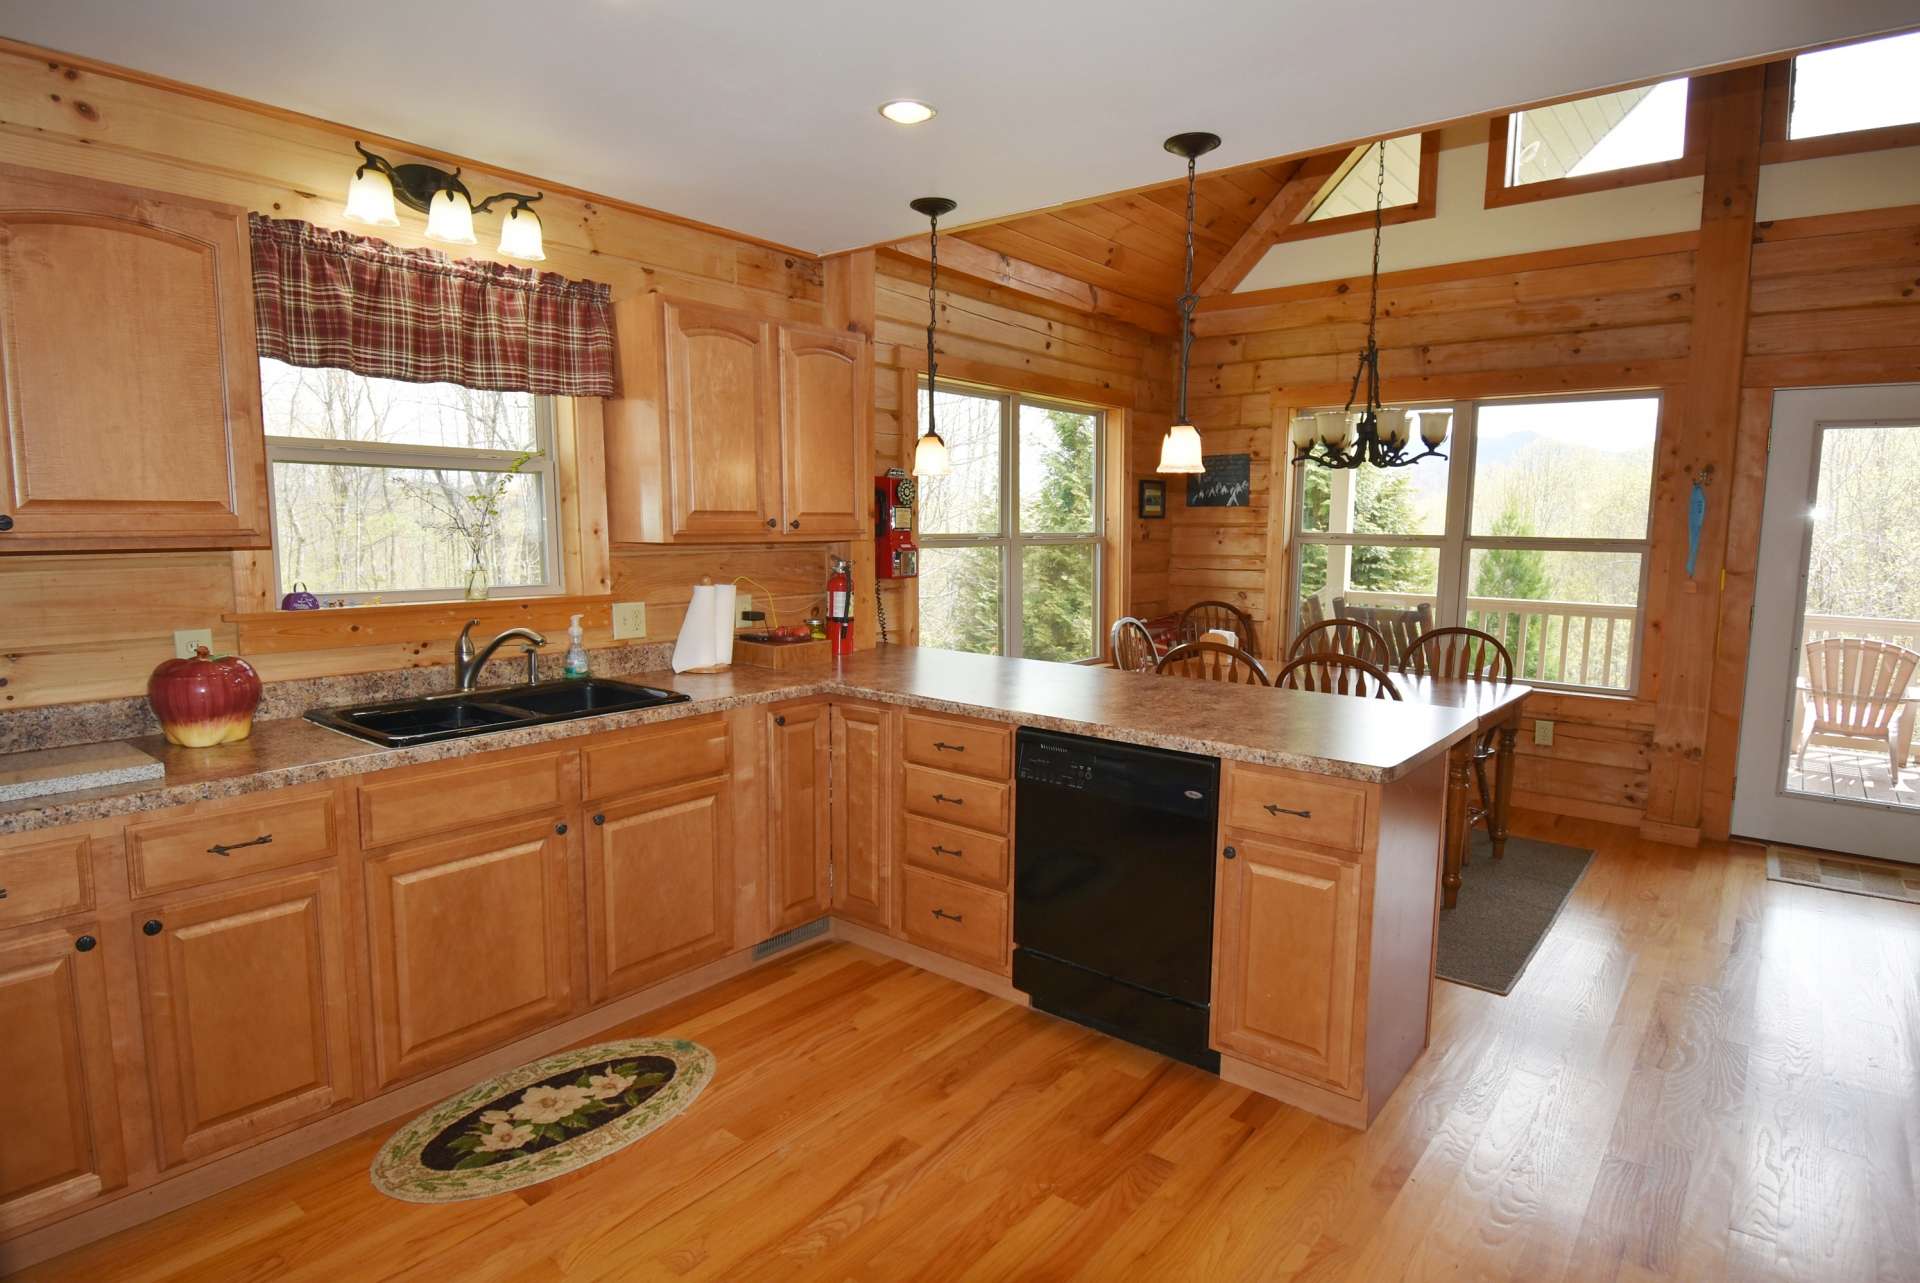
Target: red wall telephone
{"type": "Point", "coordinates": [894, 554]}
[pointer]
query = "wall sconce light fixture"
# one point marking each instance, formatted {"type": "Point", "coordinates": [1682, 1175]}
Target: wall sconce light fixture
{"type": "Point", "coordinates": [446, 202]}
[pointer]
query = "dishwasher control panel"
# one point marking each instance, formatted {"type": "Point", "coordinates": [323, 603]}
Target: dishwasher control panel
{"type": "Point", "coordinates": [1057, 765]}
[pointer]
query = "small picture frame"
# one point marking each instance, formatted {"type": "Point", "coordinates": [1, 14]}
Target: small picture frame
{"type": "Point", "coordinates": [1153, 499]}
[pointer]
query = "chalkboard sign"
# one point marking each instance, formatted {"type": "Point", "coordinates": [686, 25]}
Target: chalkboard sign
{"type": "Point", "coordinates": [1226, 483]}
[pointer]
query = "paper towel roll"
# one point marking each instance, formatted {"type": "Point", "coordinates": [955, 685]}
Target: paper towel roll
{"type": "Point", "coordinates": [706, 635]}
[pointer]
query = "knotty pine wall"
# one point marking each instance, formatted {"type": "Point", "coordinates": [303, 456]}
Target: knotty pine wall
{"type": "Point", "coordinates": [90, 626]}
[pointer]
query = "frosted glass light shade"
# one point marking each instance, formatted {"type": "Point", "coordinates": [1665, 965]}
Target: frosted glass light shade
{"type": "Point", "coordinates": [1332, 425]}
{"type": "Point", "coordinates": [450, 218]}
{"type": "Point", "coordinates": [1433, 427]}
{"type": "Point", "coordinates": [1303, 433]}
{"type": "Point", "coordinates": [930, 456]}
{"type": "Point", "coordinates": [370, 199]}
{"type": "Point", "coordinates": [1392, 425]}
{"type": "Point", "coordinates": [1180, 450]}
{"type": "Point", "coordinates": [520, 236]}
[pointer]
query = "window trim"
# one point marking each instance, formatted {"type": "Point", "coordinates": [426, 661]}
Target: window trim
{"type": "Point", "coordinates": [1425, 203]}
{"type": "Point", "coordinates": [1691, 163]}
{"type": "Point", "coordinates": [542, 464]}
{"type": "Point", "coordinates": [1456, 543]}
{"type": "Point", "coordinates": [1777, 114]}
{"type": "Point", "coordinates": [1007, 538]}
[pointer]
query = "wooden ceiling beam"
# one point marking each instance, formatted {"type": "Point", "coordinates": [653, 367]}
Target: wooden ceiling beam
{"type": "Point", "coordinates": [1040, 282]}
{"type": "Point", "coordinates": [1288, 204]}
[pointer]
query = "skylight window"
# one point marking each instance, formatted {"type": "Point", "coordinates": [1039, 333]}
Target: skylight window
{"type": "Point", "coordinates": [1606, 132]}
{"type": "Point", "coordinates": [1871, 85]}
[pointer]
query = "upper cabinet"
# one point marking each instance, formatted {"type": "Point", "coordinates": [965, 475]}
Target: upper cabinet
{"type": "Point", "coordinates": [129, 380]}
{"type": "Point", "coordinates": [734, 427]}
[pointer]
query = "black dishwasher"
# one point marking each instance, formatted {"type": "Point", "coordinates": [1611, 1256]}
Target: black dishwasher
{"type": "Point", "coordinates": [1113, 888]}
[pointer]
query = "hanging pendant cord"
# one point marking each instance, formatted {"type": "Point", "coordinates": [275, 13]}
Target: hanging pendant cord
{"type": "Point", "coordinates": [1370, 355]}
{"type": "Point", "coordinates": [1188, 299]}
{"type": "Point", "coordinates": [933, 281]}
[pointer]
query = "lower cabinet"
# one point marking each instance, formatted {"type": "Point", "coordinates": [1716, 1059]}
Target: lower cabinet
{"type": "Point", "coordinates": [245, 1001]}
{"type": "Point", "coordinates": [799, 835]}
{"type": "Point", "coordinates": [862, 813]}
{"type": "Point", "coordinates": [660, 885]}
{"type": "Point", "coordinates": [59, 1113]}
{"type": "Point", "coordinates": [1287, 943]}
{"type": "Point", "coordinates": [468, 941]}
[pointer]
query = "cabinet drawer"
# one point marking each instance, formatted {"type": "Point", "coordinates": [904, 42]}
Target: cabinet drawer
{"type": "Point", "coordinates": [961, 852]}
{"type": "Point", "coordinates": [655, 758]}
{"type": "Point", "coordinates": [972, 747]}
{"type": "Point", "coordinates": [957, 799]}
{"type": "Point", "coordinates": [230, 842]}
{"type": "Point", "coordinates": [44, 878]}
{"type": "Point", "coordinates": [956, 918]}
{"type": "Point", "coordinates": [1303, 808]}
{"type": "Point", "coordinates": [460, 796]}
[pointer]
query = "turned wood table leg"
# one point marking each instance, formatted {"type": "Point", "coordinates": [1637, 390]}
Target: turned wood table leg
{"type": "Point", "coordinates": [1459, 779]}
{"type": "Point", "coordinates": [1502, 789]}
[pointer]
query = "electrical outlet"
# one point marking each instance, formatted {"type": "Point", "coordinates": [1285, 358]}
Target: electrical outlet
{"type": "Point", "coordinates": [629, 619]}
{"type": "Point", "coordinates": [1542, 732]}
{"type": "Point", "coordinates": [742, 603]}
{"type": "Point", "coordinates": [185, 640]}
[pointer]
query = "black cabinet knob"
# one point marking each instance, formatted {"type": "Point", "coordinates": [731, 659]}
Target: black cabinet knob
{"type": "Point", "coordinates": [794, 524]}
{"type": "Point", "coordinates": [1230, 853]}
{"type": "Point", "coordinates": [152, 926]}
{"type": "Point", "coordinates": [6, 522]}
{"type": "Point", "coordinates": [85, 944]}
{"type": "Point", "coordinates": [561, 829]}
{"type": "Point", "coordinates": [780, 719]}
{"type": "Point", "coordinates": [599, 819]}
{"type": "Point", "coordinates": [772, 522]}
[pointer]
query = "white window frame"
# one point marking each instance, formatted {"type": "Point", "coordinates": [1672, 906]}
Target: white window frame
{"type": "Point", "coordinates": [1456, 543]}
{"type": "Point", "coordinates": [1008, 539]}
{"type": "Point", "coordinates": [374, 454]}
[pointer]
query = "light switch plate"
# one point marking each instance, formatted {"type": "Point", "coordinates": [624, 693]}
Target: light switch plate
{"type": "Point", "coordinates": [185, 640]}
{"type": "Point", "coordinates": [629, 619]}
{"type": "Point", "coordinates": [742, 603]}
{"type": "Point", "coordinates": [1542, 732]}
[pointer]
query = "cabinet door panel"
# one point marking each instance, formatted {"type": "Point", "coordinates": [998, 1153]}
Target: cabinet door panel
{"type": "Point", "coordinates": [1285, 962]}
{"type": "Point", "coordinates": [469, 943]}
{"type": "Point", "coordinates": [719, 408]}
{"type": "Point", "coordinates": [660, 886]}
{"type": "Point", "coordinates": [825, 486]}
{"type": "Point", "coordinates": [131, 379]}
{"type": "Point", "coordinates": [244, 996]}
{"type": "Point", "coordinates": [863, 763]}
{"type": "Point", "coordinates": [799, 837]}
{"type": "Point", "coordinates": [59, 1117]}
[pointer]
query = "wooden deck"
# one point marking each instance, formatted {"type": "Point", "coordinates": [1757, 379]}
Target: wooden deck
{"type": "Point", "coordinates": [1702, 1076]}
{"type": "Point", "coordinates": [1860, 774]}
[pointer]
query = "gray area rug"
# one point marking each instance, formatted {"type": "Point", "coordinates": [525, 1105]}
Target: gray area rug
{"type": "Point", "coordinates": [1878, 878]}
{"type": "Point", "coordinates": [1504, 909]}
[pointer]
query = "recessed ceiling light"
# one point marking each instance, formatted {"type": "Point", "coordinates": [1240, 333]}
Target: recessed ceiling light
{"type": "Point", "coordinates": [905, 111]}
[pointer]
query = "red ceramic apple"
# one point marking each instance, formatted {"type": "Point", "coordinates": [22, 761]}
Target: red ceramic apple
{"type": "Point", "coordinates": [205, 700]}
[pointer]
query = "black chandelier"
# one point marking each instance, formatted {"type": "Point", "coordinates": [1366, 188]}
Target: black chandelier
{"type": "Point", "coordinates": [1379, 437]}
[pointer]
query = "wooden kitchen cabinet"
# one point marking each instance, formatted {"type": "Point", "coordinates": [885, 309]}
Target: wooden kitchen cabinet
{"type": "Point", "coordinates": [862, 812]}
{"type": "Point", "coordinates": [468, 942]}
{"type": "Point", "coordinates": [60, 1139]}
{"type": "Point", "coordinates": [660, 886]}
{"type": "Point", "coordinates": [1287, 946]}
{"type": "Point", "coordinates": [245, 1002]}
{"type": "Point", "coordinates": [733, 427]}
{"type": "Point", "coordinates": [129, 380]}
{"type": "Point", "coordinates": [799, 833]}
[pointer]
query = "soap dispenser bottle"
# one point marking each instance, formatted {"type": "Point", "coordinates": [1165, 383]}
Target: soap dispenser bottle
{"type": "Point", "coordinates": [576, 649]}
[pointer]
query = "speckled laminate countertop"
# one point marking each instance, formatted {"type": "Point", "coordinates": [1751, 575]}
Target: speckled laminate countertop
{"type": "Point", "coordinates": [1368, 740]}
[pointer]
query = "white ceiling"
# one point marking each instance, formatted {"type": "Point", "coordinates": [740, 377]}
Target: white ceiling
{"type": "Point", "coordinates": [758, 115]}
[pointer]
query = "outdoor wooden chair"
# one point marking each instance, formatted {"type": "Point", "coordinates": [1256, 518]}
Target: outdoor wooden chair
{"type": "Point", "coordinates": [1198, 618]}
{"type": "Point", "coordinates": [1401, 627]}
{"type": "Point", "coordinates": [1463, 653]}
{"type": "Point", "coordinates": [1343, 637]}
{"type": "Point", "coordinates": [1214, 662]}
{"type": "Point", "coordinates": [1335, 674]}
{"type": "Point", "coordinates": [1131, 646]}
{"type": "Point", "coordinates": [1856, 690]}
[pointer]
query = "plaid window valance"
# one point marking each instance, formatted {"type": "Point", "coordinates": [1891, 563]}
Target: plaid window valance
{"type": "Point", "coordinates": [324, 298]}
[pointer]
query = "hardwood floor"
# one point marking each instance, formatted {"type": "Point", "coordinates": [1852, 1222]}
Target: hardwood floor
{"type": "Point", "coordinates": [1702, 1076]}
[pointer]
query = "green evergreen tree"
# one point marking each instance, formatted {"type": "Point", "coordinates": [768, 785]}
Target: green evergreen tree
{"type": "Point", "coordinates": [1057, 613]}
{"type": "Point", "coordinates": [1518, 574]}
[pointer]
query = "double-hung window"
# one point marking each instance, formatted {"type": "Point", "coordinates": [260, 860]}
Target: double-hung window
{"type": "Point", "coordinates": [409, 491]}
{"type": "Point", "coordinates": [1010, 539]}
{"type": "Point", "coordinates": [1534, 528]}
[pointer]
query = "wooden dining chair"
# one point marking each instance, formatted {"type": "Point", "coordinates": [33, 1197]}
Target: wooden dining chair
{"type": "Point", "coordinates": [1343, 637]}
{"type": "Point", "coordinates": [1214, 662]}
{"type": "Point", "coordinates": [1131, 647]}
{"type": "Point", "coordinates": [1856, 690]}
{"type": "Point", "coordinates": [1197, 619]}
{"type": "Point", "coordinates": [1400, 626]}
{"type": "Point", "coordinates": [1331, 673]}
{"type": "Point", "coordinates": [1464, 653]}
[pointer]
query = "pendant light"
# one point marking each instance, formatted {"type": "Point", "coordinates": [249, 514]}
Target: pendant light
{"type": "Point", "coordinates": [930, 452]}
{"type": "Point", "coordinates": [1180, 450]}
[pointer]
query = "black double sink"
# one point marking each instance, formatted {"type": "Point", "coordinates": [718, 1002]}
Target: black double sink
{"type": "Point", "coordinates": [399, 723]}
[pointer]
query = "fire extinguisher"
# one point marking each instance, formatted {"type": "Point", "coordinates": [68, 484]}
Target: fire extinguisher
{"type": "Point", "coordinates": [840, 607]}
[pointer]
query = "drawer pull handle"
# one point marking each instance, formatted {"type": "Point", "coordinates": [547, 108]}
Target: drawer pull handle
{"type": "Point", "coordinates": [944, 747]}
{"type": "Point", "coordinates": [221, 848]}
{"type": "Point", "coordinates": [947, 850]}
{"type": "Point", "coordinates": [950, 917]}
{"type": "Point", "coordinates": [3, 893]}
{"type": "Point", "coordinates": [85, 944]}
{"type": "Point", "coordinates": [942, 797]}
{"type": "Point", "coordinates": [152, 926]}
{"type": "Point", "coordinates": [1274, 808]}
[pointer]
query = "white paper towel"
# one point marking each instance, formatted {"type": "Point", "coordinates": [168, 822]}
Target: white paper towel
{"type": "Point", "coordinates": [706, 635]}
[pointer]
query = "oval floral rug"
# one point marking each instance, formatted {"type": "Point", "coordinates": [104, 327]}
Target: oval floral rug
{"type": "Point", "coordinates": [541, 1120]}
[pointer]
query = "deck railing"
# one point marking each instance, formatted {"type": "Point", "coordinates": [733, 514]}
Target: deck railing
{"type": "Point", "coordinates": [1901, 632]}
{"type": "Point", "coordinates": [1569, 643]}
